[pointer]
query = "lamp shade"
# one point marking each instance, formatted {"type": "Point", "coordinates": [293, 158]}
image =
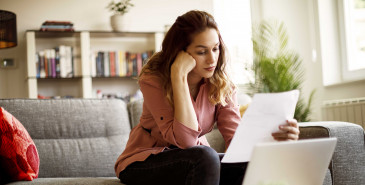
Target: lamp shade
{"type": "Point", "coordinates": [8, 35]}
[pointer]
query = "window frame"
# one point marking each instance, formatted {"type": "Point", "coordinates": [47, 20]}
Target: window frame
{"type": "Point", "coordinates": [346, 47]}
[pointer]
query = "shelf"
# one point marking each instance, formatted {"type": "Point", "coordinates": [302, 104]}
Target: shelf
{"type": "Point", "coordinates": [54, 34]}
{"type": "Point", "coordinates": [59, 78]}
{"type": "Point", "coordinates": [105, 34]}
{"type": "Point", "coordinates": [115, 77]}
{"type": "Point", "coordinates": [94, 33]}
{"type": "Point", "coordinates": [84, 43]}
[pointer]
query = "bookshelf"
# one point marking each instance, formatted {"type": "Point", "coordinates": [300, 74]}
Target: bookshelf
{"type": "Point", "coordinates": [84, 84]}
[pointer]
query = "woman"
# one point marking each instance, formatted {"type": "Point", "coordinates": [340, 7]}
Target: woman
{"type": "Point", "coordinates": [186, 90]}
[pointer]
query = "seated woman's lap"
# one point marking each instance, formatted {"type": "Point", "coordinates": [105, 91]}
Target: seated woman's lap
{"type": "Point", "coordinates": [196, 165]}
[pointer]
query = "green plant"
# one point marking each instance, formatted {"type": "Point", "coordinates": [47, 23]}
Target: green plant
{"type": "Point", "coordinates": [277, 68]}
{"type": "Point", "coordinates": [120, 7]}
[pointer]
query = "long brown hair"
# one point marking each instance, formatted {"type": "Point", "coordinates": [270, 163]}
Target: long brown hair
{"type": "Point", "coordinates": [178, 38]}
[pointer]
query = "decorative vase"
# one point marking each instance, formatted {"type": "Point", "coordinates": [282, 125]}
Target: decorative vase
{"type": "Point", "coordinates": [119, 22]}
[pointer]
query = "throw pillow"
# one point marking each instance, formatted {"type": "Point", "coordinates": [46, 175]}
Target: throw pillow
{"type": "Point", "coordinates": [18, 154]}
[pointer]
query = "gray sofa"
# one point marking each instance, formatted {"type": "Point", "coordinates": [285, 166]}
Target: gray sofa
{"type": "Point", "coordinates": [79, 140]}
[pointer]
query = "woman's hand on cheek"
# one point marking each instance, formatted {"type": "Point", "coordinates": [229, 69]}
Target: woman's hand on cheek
{"type": "Point", "coordinates": [183, 64]}
{"type": "Point", "coordinates": [289, 131]}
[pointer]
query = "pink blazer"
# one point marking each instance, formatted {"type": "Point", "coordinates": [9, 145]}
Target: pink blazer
{"type": "Point", "coordinates": [158, 129]}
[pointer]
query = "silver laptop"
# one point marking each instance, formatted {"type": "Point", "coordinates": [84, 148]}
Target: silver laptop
{"type": "Point", "coordinates": [303, 162]}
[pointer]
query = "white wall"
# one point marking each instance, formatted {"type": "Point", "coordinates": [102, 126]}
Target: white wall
{"type": "Point", "coordinates": [299, 18]}
{"type": "Point", "coordinates": [146, 15]}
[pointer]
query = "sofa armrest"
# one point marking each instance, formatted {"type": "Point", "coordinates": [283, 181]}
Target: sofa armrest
{"type": "Point", "coordinates": [348, 161]}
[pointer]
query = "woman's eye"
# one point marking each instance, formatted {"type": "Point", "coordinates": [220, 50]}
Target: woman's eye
{"type": "Point", "coordinates": [201, 52]}
{"type": "Point", "coordinates": [215, 49]}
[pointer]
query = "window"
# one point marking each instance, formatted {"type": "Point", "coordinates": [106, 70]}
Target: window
{"type": "Point", "coordinates": [234, 21]}
{"type": "Point", "coordinates": [352, 34]}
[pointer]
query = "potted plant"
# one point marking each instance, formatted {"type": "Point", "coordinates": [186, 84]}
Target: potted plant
{"type": "Point", "coordinates": [276, 67]}
{"type": "Point", "coordinates": [119, 8]}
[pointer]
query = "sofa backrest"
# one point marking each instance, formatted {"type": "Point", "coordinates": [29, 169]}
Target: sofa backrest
{"type": "Point", "coordinates": [74, 137]}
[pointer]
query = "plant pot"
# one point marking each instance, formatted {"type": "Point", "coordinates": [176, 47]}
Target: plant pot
{"type": "Point", "coordinates": [119, 22]}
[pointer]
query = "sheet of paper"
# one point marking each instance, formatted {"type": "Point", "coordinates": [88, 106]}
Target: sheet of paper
{"type": "Point", "coordinates": [263, 116]}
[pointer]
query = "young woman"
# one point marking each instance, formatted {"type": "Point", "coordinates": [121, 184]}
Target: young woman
{"type": "Point", "coordinates": [186, 90]}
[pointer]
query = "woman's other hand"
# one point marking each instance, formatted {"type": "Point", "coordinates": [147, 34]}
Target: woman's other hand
{"type": "Point", "coordinates": [289, 131]}
{"type": "Point", "coordinates": [183, 64]}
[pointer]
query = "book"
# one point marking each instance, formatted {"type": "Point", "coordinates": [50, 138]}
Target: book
{"type": "Point", "coordinates": [63, 26]}
{"type": "Point", "coordinates": [56, 27]}
{"type": "Point", "coordinates": [116, 57]}
{"type": "Point", "coordinates": [57, 23]}
{"type": "Point", "coordinates": [52, 57]}
{"type": "Point", "coordinates": [106, 64]}
{"type": "Point", "coordinates": [57, 58]}
{"type": "Point", "coordinates": [129, 64]}
{"type": "Point", "coordinates": [42, 73]}
{"type": "Point", "coordinates": [77, 70]}
{"type": "Point", "coordinates": [45, 64]}
{"type": "Point", "coordinates": [112, 63]}
{"type": "Point", "coordinates": [69, 62]}
{"type": "Point", "coordinates": [49, 61]}
{"type": "Point", "coordinates": [37, 65]}
{"type": "Point", "coordinates": [133, 68]}
{"type": "Point", "coordinates": [71, 57]}
{"type": "Point", "coordinates": [62, 55]}
{"type": "Point", "coordinates": [117, 63]}
{"type": "Point", "coordinates": [100, 64]}
{"type": "Point", "coordinates": [122, 64]}
{"type": "Point", "coordinates": [61, 30]}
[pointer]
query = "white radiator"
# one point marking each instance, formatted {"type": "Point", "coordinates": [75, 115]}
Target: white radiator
{"type": "Point", "coordinates": [349, 110]}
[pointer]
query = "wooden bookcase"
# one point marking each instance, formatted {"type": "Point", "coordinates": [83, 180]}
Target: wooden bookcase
{"type": "Point", "coordinates": [85, 42]}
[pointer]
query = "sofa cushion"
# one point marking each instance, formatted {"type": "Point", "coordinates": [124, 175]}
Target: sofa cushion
{"type": "Point", "coordinates": [18, 154]}
{"type": "Point", "coordinates": [135, 111]}
{"type": "Point", "coordinates": [74, 137]}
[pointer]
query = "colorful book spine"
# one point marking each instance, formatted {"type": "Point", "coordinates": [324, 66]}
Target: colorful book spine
{"type": "Point", "coordinates": [122, 64]}
{"type": "Point", "coordinates": [42, 65]}
{"type": "Point", "coordinates": [37, 65]}
{"type": "Point", "coordinates": [57, 58]}
{"type": "Point", "coordinates": [118, 63]}
{"type": "Point", "coordinates": [116, 57]}
{"type": "Point", "coordinates": [56, 62]}
{"type": "Point", "coordinates": [53, 62]}
{"type": "Point", "coordinates": [112, 63]}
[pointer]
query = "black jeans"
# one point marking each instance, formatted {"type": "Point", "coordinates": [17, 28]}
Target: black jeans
{"type": "Point", "coordinates": [198, 165]}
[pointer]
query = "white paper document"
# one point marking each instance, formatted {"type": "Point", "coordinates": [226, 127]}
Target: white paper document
{"type": "Point", "coordinates": [262, 118]}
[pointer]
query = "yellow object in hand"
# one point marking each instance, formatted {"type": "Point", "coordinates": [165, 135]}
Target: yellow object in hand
{"type": "Point", "coordinates": [243, 109]}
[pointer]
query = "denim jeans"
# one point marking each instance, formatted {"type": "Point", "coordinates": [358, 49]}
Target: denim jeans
{"type": "Point", "coordinates": [198, 165]}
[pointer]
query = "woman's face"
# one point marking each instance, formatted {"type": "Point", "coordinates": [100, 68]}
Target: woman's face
{"type": "Point", "coordinates": [205, 50]}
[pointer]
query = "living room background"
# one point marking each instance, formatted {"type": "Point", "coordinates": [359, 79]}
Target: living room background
{"type": "Point", "coordinates": [145, 16]}
{"type": "Point", "coordinates": [299, 16]}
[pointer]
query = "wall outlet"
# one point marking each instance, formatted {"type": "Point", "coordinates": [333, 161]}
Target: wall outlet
{"type": "Point", "coordinates": [7, 63]}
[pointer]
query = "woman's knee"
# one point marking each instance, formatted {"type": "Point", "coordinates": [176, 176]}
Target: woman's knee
{"type": "Point", "coordinates": [206, 154]}
{"type": "Point", "coordinates": [206, 166]}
